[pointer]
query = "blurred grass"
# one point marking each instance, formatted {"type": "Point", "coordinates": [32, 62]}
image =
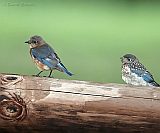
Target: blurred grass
{"type": "Point", "coordinates": [89, 36]}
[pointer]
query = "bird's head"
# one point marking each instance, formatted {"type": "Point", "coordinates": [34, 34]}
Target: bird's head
{"type": "Point", "coordinates": [128, 59]}
{"type": "Point", "coordinates": [35, 41]}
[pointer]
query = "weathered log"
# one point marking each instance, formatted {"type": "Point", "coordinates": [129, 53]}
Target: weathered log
{"type": "Point", "coordinates": [38, 104]}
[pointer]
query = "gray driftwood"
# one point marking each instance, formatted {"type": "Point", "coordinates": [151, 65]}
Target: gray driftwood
{"type": "Point", "coordinates": [37, 104]}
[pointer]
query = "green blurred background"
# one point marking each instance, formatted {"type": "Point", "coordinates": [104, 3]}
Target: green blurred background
{"type": "Point", "coordinates": [89, 36]}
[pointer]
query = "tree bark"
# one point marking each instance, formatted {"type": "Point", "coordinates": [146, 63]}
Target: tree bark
{"type": "Point", "coordinates": [37, 104]}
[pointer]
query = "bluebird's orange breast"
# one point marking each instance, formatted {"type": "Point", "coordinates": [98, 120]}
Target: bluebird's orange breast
{"type": "Point", "coordinates": [40, 65]}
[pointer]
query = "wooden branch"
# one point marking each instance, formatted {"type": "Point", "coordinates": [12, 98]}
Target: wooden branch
{"type": "Point", "coordinates": [37, 104]}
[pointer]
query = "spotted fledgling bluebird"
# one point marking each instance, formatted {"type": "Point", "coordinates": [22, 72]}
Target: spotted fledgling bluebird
{"type": "Point", "coordinates": [44, 56]}
{"type": "Point", "coordinates": [134, 73]}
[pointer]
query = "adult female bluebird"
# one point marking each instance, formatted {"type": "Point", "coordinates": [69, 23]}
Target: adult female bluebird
{"type": "Point", "coordinates": [134, 73]}
{"type": "Point", "coordinates": [44, 56]}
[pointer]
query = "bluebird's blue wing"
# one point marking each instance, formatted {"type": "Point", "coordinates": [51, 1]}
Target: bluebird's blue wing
{"type": "Point", "coordinates": [149, 78]}
{"type": "Point", "coordinates": [146, 75]}
{"type": "Point", "coordinates": [138, 72]}
{"type": "Point", "coordinates": [47, 56]}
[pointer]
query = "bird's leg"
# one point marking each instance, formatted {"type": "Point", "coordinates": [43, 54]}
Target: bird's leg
{"type": "Point", "coordinates": [39, 73]}
{"type": "Point", "coordinates": [50, 74]}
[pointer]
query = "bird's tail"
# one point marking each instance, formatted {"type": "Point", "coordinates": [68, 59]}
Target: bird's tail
{"type": "Point", "coordinates": [64, 69]}
{"type": "Point", "coordinates": [155, 84]}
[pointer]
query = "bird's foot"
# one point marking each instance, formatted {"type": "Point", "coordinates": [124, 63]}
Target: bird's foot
{"type": "Point", "coordinates": [50, 77]}
{"type": "Point", "coordinates": [36, 75]}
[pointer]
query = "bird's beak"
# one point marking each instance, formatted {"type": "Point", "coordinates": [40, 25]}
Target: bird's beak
{"type": "Point", "coordinates": [27, 42]}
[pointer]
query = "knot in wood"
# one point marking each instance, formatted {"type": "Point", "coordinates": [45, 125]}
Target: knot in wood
{"type": "Point", "coordinates": [8, 80]}
{"type": "Point", "coordinates": [12, 107]}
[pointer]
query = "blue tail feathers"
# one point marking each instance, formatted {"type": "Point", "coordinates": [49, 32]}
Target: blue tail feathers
{"type": "Point", "coordinates": [155, 84]}
{"type": "Point", "coordinates": [64, 69]}
{"type": "Point", "coordinates": [69, 73]}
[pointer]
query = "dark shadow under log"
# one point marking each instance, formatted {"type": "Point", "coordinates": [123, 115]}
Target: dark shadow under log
{"type": "Point", "coordinates": [35, 104]}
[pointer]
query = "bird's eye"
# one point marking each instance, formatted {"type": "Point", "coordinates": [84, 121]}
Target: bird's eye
{"type": "Point", "coordinates": [34, 41]}
{"type": "Point", "coordinates": [129, 59]}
